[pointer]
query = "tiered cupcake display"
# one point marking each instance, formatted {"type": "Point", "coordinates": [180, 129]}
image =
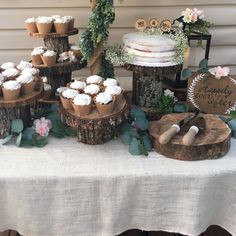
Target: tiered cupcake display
{"type": "Point", "coordinates": [57, 59]}
{"type": "Point", "coordinates": [95, 107]}
{"type": "Point", "coordinates": [20, 87]}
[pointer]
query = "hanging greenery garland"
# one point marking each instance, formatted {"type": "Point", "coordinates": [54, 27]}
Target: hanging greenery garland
{"type": "Point", "coordinates": [95, 37]}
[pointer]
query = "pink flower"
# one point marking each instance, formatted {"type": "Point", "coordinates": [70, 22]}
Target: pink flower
{"type": "Point", "coordinates": [42, 126]}
{"type": "Point", "coordinates": [194, 17]}
{"type": "Point", "coordinates": [200, 14]}
{"type": "Point", "coordinates": [219, 71]}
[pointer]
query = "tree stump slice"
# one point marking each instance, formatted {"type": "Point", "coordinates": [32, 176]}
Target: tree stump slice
{"type": "Point", "coordinates": [10, 110]}
{"type": "Point", "coordinates": [96, 129]}
{"type": "Point", "coordinates": [147, 82]}
{"type": "Point", "coordinates": [213, 143]}
{"type": "Point", "coordinates": [73, 31]}
{"type": "Point", "coordinates": [58, 45]}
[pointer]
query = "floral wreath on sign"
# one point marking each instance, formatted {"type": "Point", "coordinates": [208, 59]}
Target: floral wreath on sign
{"type": "Point", "coordinates": [218, 72]}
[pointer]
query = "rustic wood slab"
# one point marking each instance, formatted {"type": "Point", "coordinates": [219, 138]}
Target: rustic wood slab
{"type": "Point", "coordinates": [95, 128]}
{"type": "Point", "coordinates": [213, 143]}
{"type": "Point", "coordinates": [73, 31]}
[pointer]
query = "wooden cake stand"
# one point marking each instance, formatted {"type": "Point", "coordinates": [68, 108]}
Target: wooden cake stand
{"type": "Point", "coordinates": [10, 110]}
{"type": "Point", "coordinates": [60, 74]}
{"type": "Point", "coordinates": [213, 143]}
{"type": "Point", "coordinates": [147, 82]}
{"type": "Point", "coordinates": [95, 128]}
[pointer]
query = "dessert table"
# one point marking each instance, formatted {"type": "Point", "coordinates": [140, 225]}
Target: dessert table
{"type": "Point", "coordinates": [68, 188]}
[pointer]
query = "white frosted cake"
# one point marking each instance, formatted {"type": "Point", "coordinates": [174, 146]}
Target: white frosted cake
{"type": "Point", "coordinates": [150, 50]}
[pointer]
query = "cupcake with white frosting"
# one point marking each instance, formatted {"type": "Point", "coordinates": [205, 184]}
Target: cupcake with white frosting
{"type": "Point", "coordinates": [104, 103]}
{"type": "Point", "coordinates": [27, 82]}
{"type": "Point", "coordinates": [110, 82]}
{"type": "Point", "coordinates": [71, 21]}
{"type": "Point", "coordinates": [49, 58]}
{"type": "Point", "coordinates": [32, 71]}
{"type": "Point", "coordinates": [11, 90]}
{"type": "Point", "coordinates": [66, 97]}
{"type": "Point", "coordinates": [47, 91]}
{"type": "Point", "coordinates": [36, 55]}
{"type": "Point", "coordinates": [10, 73]}
{"type": "Point", "coordinates": [92, 90]}
{"type": "Point", "coordinates": [76, 50]}
{"type": "Point", "coordinates": [54, 17]}
{"type": "Point", "coordinates": [7, 65]}
{"type": "Point", "coordinates": [24, 65]}
{"type": "Point", "coordinates": [31, 26]}
{"type": "Point", "coordinates": [116, 91]}
{"type": "Point", "coordinates": [78, 85]}
{"type": "Point", "coordinates": [94, 79]}
{"type": "Point", "coordinates": [61, 25]}
{"type": "Point", "coordinates": [82, 104]}
{"type": "Point", "coordinates": [44, 24]}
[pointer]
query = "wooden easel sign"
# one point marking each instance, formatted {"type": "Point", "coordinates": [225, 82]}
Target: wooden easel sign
{"type": "Point", "coordinates": [212, 94]}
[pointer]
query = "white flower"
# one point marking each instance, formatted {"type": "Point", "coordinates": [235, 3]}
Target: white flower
{"type": "Point", "coordinates": [169, 93]}
{"type": "Point", "coordinates": [187, 18]}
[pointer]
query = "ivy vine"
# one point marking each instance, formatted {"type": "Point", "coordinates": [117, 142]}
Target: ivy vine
{"type": "Point", "coordinates": [97, 32]}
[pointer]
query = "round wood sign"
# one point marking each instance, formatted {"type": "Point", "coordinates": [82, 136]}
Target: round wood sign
{"type": "Point", "coordinates": [141, 24]}
{"type": "Point", "coordinates": [166, 25]}
{"type": "Point", "coordinates": [211, 95]}
{"type": "Point", "coordinates": [154, 23]}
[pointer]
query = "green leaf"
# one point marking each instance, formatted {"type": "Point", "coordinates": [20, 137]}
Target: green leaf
{"type": "Point", "coordinates": [28, 133]}
{"type": "Point", "coordinates": [147, 143]}
{"type": "Point", "coordinates": [181, 107]}
{"type": "Point", "coordinates": [232, 124]}
{"type": "Point", "coordinates": [125, 127]}
{"type": "Point", "coordinates": [234, 134]}
{"type": "Point", "coordinates": [54, 107]}
{"type": "Point", "coordinates": [6, 140]}
{"type": "Point", "coordinates": [186, 73]}
{"type": "Point", "coordinates": [137, 112]}
{"type": "Point", "coordinates": [203, 63]}
{"type": "Point", "coordinates": [17, 126]}
{"type": "Point", "coordinates": [224, 119]}
{"type": "Point", "coordinates": [26, 143]}
{"type": "Point", "coordinates": [134, 133]}
{"type": "Point", "coordinates": [143, 149]}
{"type": "Point", "coordinates": [39, 141]}
{"type": "Point", "coordinates": [142, 123]}
{"type": "Point", "coordinates": [18, 140]}
{"type": "Point", "coordinates": [233, 114]}
{"type": "Point", "coordinates": [134, 147]}
{"type": "Point", "coordinates": [126, 138]}
{"type": "Point", "coordinates": [54, 117]}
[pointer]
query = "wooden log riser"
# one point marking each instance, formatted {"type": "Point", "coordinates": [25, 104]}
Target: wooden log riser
{"type": "Point", "coordinates": [95, 132]}
{"type": "Point", "coordinates": [57, 81]}
{"type": "Point", "coordinates": [9, 114]}
{"type": "Point", "coordinates": [147, 88]}
{"type": "Point", "coordinates": [58, 45]}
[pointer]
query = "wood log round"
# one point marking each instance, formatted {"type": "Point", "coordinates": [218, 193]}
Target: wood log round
{"type": "Point", "coordinates": [9, 114]}
{"type": "Point", "coordinates": [73, 31]}
{"type": "Point", "coordinates": [58, 45]}
{"type": "Point", "coordinates": [96, 129]}
{"type": "Point", "coordinates": [212, 143]}
{"type": "Point", "coordinates": [147, 82]}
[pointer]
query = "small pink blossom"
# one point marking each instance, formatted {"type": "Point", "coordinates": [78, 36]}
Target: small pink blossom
{"type": "Point", "coordinates": [219, 71]}
{"type": "Point", "coordinates": [194, 17]}
{"type": "Point", "coordinates": [42, 126]}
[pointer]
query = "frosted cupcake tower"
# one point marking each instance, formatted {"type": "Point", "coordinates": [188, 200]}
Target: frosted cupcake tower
{"type": "Point", "coordinates": [94, 93]}
{"type": "Point", "coordinates": [57, 59]}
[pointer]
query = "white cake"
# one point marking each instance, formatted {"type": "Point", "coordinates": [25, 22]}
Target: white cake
{"type": "Point", "coordinates": [150, 50]}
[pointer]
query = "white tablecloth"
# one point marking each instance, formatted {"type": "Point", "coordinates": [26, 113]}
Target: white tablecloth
{"type": "Point", "coordinates": [71, 189]}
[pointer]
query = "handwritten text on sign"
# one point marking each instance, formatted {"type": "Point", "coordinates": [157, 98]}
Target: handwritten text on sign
{"type": "Point", "coordinates": [211, 95]}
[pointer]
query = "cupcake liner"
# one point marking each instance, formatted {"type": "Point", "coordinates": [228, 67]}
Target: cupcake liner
{"type": "Point", "coordinates": [31, 27]}
{"type": "Point", "coordinates": [44, 28]}
{"type": "Point", "coordinates": [61, 28]}
{"type": "Point", "coordinates": [82, 110]}
{"type": "Point", "coordinates": [49, 61]}
{"type": "Point", "coordinates": [105, 109]}
{"type": "Point", "coordinates": [37, 60]}
{"type": "Point", "coordinates": [66, 103]}
{"type": "Point", "coordinates": [11, 95]}
{"type": "Point", "coordinates": [119, 98]}
{"type": "Point", "coordinates": [28, 88]}
{"type": "Point", "coordinates": [71, 24]}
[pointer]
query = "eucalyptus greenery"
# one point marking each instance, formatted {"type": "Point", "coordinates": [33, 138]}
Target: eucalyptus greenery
{"type": "Point", "coordinates": [97, 32]}
{"type": "Point", "coordinates": [231, 122]}
{"type": "Point", "coordinates": [135, 133]}
{"type": "Point", "coordinates": [118, 55]}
